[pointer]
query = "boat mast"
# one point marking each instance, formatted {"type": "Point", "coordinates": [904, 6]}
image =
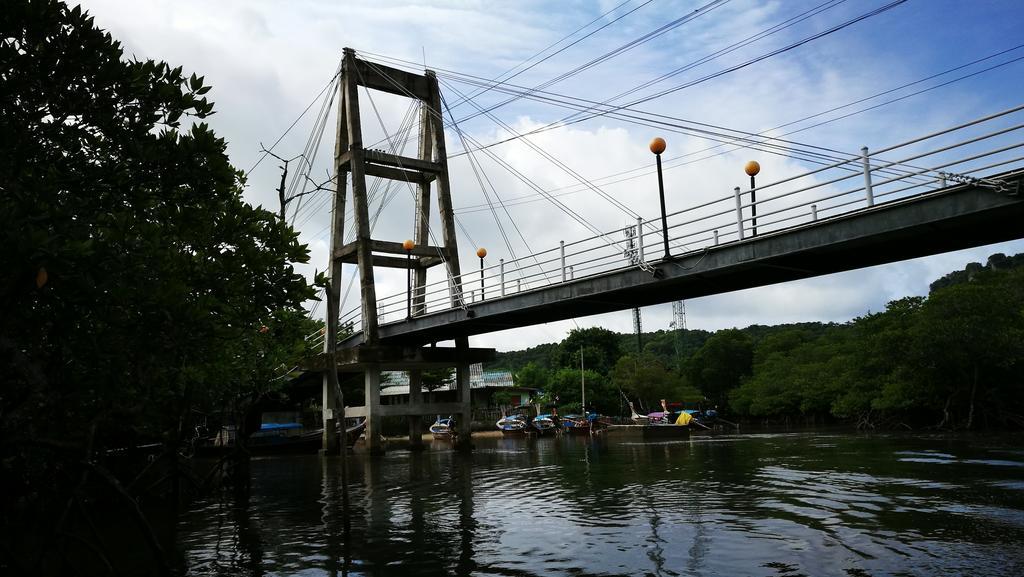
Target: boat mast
{"type": "Point", "coordinates": [583, 383]}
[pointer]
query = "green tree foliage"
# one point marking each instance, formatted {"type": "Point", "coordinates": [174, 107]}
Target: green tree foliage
{"type": "Point", "coordinates": [434, 379]}
{"type": "Point", "coordinates": [504, 398]}
{"type": "Point", "coordinates": [565, 389]}
{"type": "Point", "coordinates": [953, 360]}
{"type": "Point", "coordinates": [968, 343]}
{"type": "Point", "coordinates": [671, 347]}
{"type": "Point", "coordinates": [718, 366]}
{"type": "Point", "coordinates": [795, 372]}
{"type": "Point", "coordinates": [646, 380]}
{"type": "Point", "coordinates": [532, 376]}
{"type": "Point", "coordinates": [138, 286]}
{"type": "Point", "coordinates": [600, 349]}
{"type": "Point", "coordinates": [998, 261]}
{"type": "Point", "coordinates": [884, 380]}
{"type": "Point", "coordinates": [540, 355]}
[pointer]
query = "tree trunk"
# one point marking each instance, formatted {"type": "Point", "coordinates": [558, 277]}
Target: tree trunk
{"type": "Point", "coordinates": [945, 411]}
{"type": "Point", "coordinates": [974, 389]}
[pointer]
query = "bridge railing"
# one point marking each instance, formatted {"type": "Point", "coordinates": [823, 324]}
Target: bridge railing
{"type": "Point", "coordinates": [966, 153]}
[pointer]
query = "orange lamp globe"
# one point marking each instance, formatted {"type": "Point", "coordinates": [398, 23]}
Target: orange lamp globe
{"type": "Point", "coordinates": [408, 244]}
{"type": "Point", "coordinates": [481, 252]}
{"type": "Point", "coordinates": [657, 145]}
{"type": "Point", "coordinates": [752, 168]}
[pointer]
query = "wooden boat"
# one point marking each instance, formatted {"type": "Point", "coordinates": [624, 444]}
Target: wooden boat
{"type": "Point", "coordinates": [673, 415]}
{"type": "Point", "coordinates": [518, 423]}
{"type": "Point", "coordinates": [443, 429]}
{"type": "Point", "coordinates": [546, 424]}
{"type": "Point", "coordinates": [513, 425]}
{"type": "Point", "coordinates": [576, 425]}
{"type": "Point", "coordinates": [279, 438]}
{"type": "Point", "coordinates": [637, 418]}
{"type": "Point", "coordinates": [664, 424]}
{"type": "Point", "coordinates": [644, 432]}
{"type": "Point", "coordinates": [354, 428]}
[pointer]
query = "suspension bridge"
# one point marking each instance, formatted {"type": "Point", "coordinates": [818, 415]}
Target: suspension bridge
{"type": "Point", "coordinates": [950, 189]}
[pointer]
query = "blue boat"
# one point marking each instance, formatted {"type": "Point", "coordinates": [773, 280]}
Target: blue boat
{"type": "Point", "coordinates": [513, 425]}
{"type": "Point", "coordinates": [546, 424]}
{"type": "Point", "coordinates": [576, 424]}
{"type": "Point", "coordinates": [443, 429]}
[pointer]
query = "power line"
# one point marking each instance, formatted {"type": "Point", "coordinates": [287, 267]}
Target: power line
{"type": "Point", "coordinates": [603, 58]}
{"type": "Point", "coordinates": [508, 74]}
{"type": "Point", "coordinates": [610, 109]}
{"type": "Point", "coordinates": [296, 121]}
{"type": "Point", "coordinates": [646, 171]}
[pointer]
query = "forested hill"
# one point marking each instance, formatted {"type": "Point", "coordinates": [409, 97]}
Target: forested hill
{"type": "Point", "coordinates": [998, 261]}
{"type": "Point", "coordinates": [954, 359]}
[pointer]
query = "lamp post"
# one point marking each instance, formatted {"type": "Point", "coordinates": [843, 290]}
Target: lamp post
{"type": "Point", "coordinates": [752, 168]}
{"type": "Point", "coordinates": [481, 252]}
{"type": "Point", "coordinates": [408, 245]}
{"type": "Point", "coordinates": [657, 146]}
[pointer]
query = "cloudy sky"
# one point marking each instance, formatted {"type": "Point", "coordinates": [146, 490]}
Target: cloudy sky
{"type": "Point", "coordinates": [269, 61]}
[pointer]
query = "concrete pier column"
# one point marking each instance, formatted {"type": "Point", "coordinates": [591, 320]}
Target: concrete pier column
{"type": "Point", "coordinates": [374, 441]}
{"type": "Point", "coordinates": [415, 400]}
{"type": "Point", "coordinates": [462, 382]}
{"type": "Point", "coordinates": [330, 440]}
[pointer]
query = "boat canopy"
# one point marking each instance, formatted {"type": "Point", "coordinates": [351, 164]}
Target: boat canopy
{"type": "Point", "coordinates": [279, 426]}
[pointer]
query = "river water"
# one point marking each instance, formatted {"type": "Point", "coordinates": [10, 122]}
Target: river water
{"type": "Point", "coordinates": [732, 505]}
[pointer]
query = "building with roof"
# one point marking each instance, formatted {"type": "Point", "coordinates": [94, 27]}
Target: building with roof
{"type": "Point", "coordinates": [483, 387]}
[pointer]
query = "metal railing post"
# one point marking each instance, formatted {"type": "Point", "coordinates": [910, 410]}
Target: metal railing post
{"type": "Point", "coordinates": [519, 285]}
{"type": "Point", "coordinates": [561, 249]}
{"type": "Point", "coordinates": [716, 237]}
{"type": "Point", "coordinates": [570, 273]}
{"type": "Point", "coordinates": [640, 239]}
{"type": "Point", "coordinates": [739, 212]}
{"type": "Point", "coordinates": [814, 212]}
{"type": "Point", "coordinates": [867, 176]}
{"type": "Point", "coordinates": [501, 264]}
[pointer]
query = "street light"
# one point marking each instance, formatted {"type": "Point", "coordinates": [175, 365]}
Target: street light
{"type": "Point", "coordinates": [657, 146]}
{"type": "Point", "coordinates": [481, 252]}
{"type": "Point", "coordinates": [752, 168]}
{"type": "Point", "coordinates": [408, 245]}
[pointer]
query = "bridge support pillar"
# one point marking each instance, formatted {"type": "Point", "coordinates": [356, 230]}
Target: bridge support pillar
{"type": "Point", "coordinates": [465, 419]}
{"type": "Point", "coordinates": [374, 441]}
{"type": "Point", "coordinates": [415, 399]}
{"type": "Point", "coordinates": [330, 438]}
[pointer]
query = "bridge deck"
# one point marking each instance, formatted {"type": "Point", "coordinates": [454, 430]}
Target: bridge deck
{"type": "Point", "coordinates": [954, 218]}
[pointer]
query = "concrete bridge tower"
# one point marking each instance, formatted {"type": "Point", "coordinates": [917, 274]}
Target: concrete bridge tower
{"type": "Point", "coordinates": [429, 173]}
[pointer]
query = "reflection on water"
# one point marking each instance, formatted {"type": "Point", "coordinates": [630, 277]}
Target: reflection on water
{"type": "Point", "coordinates": [765, 505]}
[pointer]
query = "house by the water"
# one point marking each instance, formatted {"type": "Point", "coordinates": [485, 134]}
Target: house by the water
{"type": "Point", "coordinates": [484, 385]}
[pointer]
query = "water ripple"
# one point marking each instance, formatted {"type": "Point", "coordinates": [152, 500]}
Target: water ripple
{"type": "Point", "coordinates": [782, 504]}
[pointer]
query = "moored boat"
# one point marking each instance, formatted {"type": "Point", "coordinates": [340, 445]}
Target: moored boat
{"type": "Point", "coordinates": [277, 438]}
{"type": "Point", "coordinates": [648, 431]}
{"type": "Point", "coordinates": [576, 425]}
{"type": "Point", "coordinates": [637, 418]}
{"type": "Point", "coordinates": [443, 429]}
{"type": "Point", "coordinates": [546, 424]}
{"type": "Point", "coordinates": [655, 425]}
{"type": "Point", "coordinates": [513, 425]}
{"type": "Point", "coordinates": [354, 428]}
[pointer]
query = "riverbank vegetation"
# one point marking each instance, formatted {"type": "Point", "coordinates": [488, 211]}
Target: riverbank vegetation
{"type": "Point", "coordinates": [953, 360]}
{"type": "Point", "coordinates": [139, 293]}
